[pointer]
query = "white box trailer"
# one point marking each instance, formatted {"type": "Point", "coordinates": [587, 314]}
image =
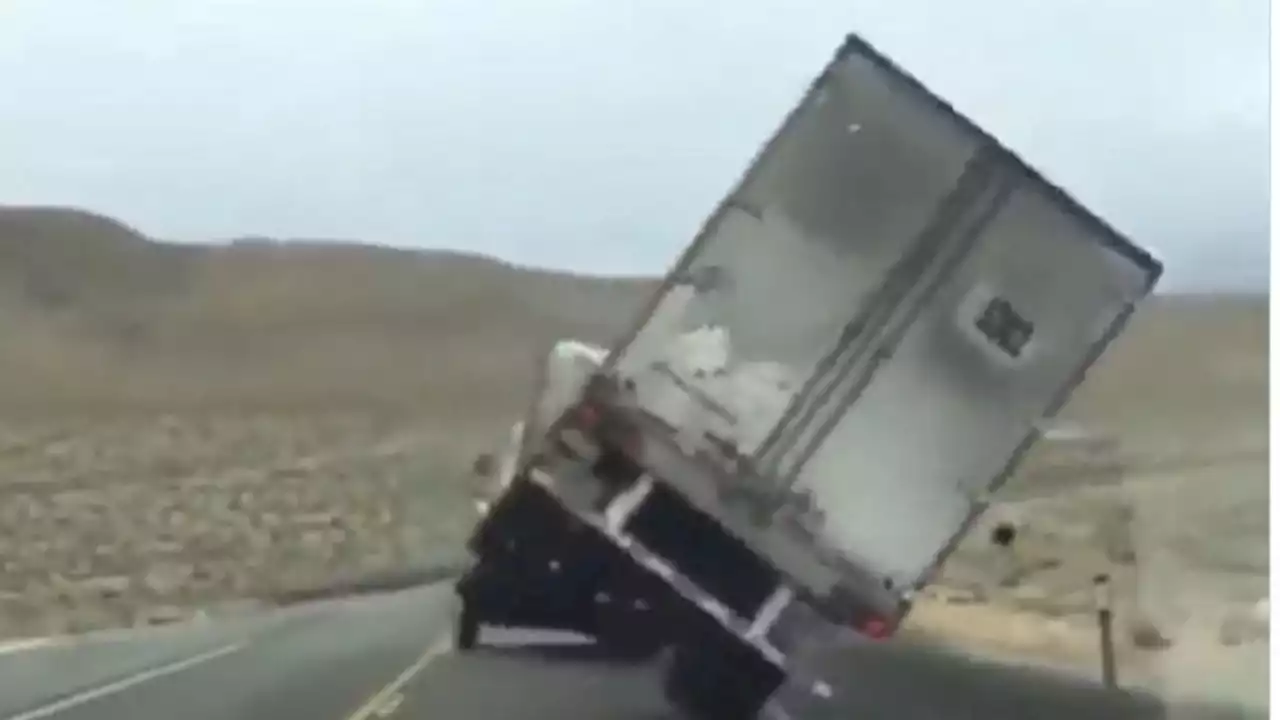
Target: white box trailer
{"type": "Point", "coordinates": [849, 358]}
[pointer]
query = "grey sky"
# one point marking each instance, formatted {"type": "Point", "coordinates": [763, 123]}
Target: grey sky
{"type": "Point", "coordinates": [597, 135]}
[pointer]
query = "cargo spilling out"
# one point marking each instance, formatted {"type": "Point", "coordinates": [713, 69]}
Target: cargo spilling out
{"type": "Point", "coordinates": [851, 356]}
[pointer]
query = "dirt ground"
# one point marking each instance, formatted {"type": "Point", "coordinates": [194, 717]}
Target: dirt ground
{"type": "Point", "coordinates": [136, 520]}
{"type": "Point", "coordinates": [188, 428]}
{"type": "Point", "coordinates": [1189, 583]}
{"type": "Point", "coordinates": [1176, 515]}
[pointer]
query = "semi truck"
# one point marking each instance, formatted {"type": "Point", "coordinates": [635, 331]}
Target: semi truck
{"type": "Point", "coordinates": [821, 397]}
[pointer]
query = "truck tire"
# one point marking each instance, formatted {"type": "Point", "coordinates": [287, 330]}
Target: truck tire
{"type": "Point", "coordinates": [706, 687]}
{"type": "Point", "coordinates": [626, 633]}
{"type": "Point", "coordinates": [467, 630]}
{"type": "Point", "coordinates": [632, 647]}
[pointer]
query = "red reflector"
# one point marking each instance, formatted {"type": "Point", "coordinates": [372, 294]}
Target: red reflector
{"type": "Point", "coordinates": [633, 445]}
{"type": "Point", "coordinates": [875, 628]}
{"type": "Point", "coordinates": [587, 416]}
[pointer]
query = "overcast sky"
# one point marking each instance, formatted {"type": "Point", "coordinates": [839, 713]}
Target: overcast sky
{"type": "Point", "coordinates": [597, 135]}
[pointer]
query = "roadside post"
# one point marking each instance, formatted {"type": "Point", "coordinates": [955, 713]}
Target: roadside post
{"type": "Point", "coordinates": [1106, 621]}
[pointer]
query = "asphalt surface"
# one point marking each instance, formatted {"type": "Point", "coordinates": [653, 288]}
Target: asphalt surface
{"type": "Point", "coordinates": [388, 658]}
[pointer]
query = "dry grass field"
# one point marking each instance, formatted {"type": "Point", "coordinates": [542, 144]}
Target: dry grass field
{"type": "Point", "coordinates": [184, 426]}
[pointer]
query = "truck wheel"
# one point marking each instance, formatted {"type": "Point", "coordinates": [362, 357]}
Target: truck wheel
{"type": "Point", "coordinates": [627, 634]}
{"type": "Point", "coordinates": [720, 683]}
{"type": "Point", "coordinates": [633, 648]}
{"type": "Point", "coordinates": [690, 685]}
{"type": "Point", "coordinates": [467, 631]}
{"type": "Point", "coordinates": [699, 684]}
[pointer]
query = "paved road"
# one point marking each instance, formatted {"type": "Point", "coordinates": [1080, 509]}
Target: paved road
{"type": "Point", "coordinates": [311, 663]}
{"type": "Point", "coordinates": [385, 658]}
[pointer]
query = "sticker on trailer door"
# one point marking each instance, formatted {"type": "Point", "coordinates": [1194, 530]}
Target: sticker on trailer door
{"type": "Point", "coordinates": [995, 323]}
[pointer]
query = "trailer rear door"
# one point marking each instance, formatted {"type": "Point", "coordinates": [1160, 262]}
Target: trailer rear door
{"type": "Point", "coordinates": [923, 298]}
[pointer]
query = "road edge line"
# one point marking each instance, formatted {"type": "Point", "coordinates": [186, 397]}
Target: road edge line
{"type": "Point", "coordinates": [124, 683]}
{"type": "Point", "coordinates": [371, 706]}
{"type": "Point", "coordinates": [31, 643]}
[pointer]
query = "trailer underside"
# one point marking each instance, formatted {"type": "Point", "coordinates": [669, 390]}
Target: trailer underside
{"type": "Point", "coordinates": [539, 565]}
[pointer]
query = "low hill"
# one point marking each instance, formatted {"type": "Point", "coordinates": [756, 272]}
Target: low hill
{"type": "Point", "coordinates": [100, 316]}
{"type": "Point", "coordinates": [107, 318]}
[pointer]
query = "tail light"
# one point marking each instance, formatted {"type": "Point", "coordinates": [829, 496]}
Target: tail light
{"type": "Point", "coordinates": [609, 428]}
{"type": "Point", "coordinates": [581, 425]}
{"type": "Point", "coordinates": [586, 417]}
{"type": "Point", "coordinates": [874, 627]}
{"type": "Point", "coordinates": [632, 443]}
{"type": "Point", "coordinates": [859, 614]}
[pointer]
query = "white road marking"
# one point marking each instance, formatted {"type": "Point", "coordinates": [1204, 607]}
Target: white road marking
{"type": "Point", "coordinates": [775, 711]}
{"type": "Point", "coordinates": [111, 688]}
{"type": "Point", "coordinates": [14, 646]}
{"type": "Point", "coordinates": [106, 635]}
{"type": "Point", "coordinates": [376, 705]}
{"type": "Point", "coordinates": [391, 705]}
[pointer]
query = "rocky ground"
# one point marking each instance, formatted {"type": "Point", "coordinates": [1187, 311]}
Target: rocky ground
{"type": "Point", "coordinates": [1182, 533]}
{"type": "Point", "coordinates": [131, 520]}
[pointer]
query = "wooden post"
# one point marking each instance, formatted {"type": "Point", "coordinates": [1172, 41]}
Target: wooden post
{"type": "Point", "coordinates": [1106, 621]}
